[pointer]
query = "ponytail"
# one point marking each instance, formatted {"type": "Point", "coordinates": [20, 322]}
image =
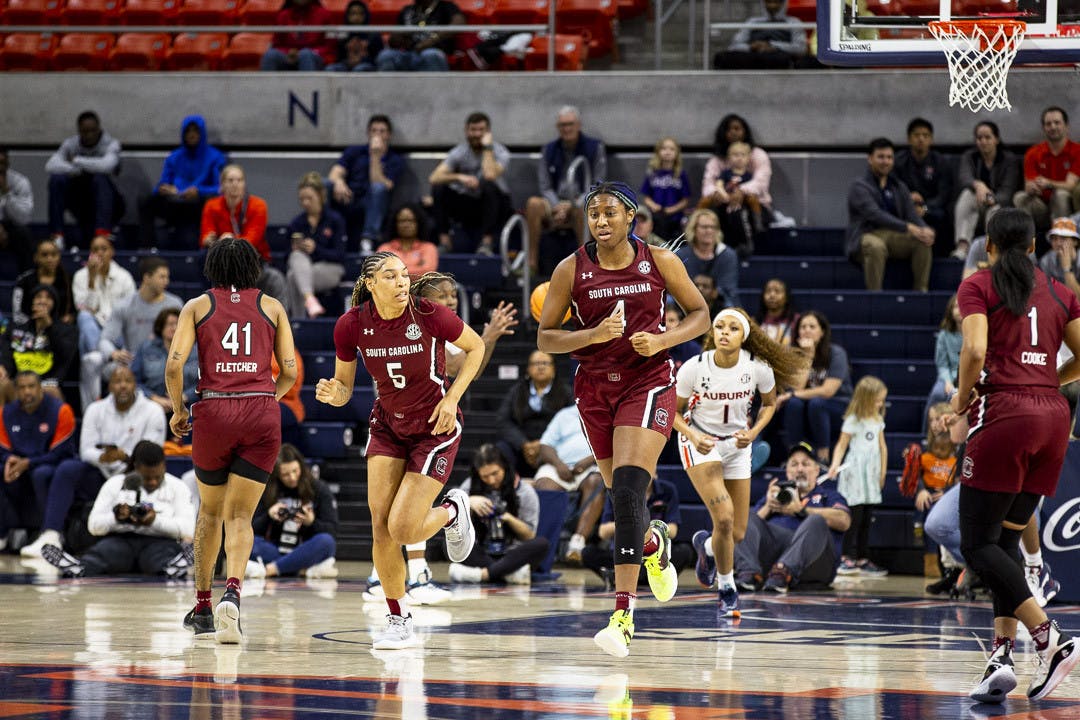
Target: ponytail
{"type": "Point", "coordinates": [1013, 275]}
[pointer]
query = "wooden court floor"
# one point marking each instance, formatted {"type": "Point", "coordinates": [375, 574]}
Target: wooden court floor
{"type": "Point", "coordinates": [868, 649]}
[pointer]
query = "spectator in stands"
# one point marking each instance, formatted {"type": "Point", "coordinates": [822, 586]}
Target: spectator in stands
{"type": "Point", "coordinates": [148, 365]}
{"type": "Point", "coordinates": [470, 187]}
{"type": "Point", "coordinates": [98, 288]}
{"type": "Point", "coordinates": [422, 51]}
{"type": "Point", "coordinates": [988, 176]}
{"type": "Point", "coordinates": [296, 523]}
{"type": "Point", "coordinates": [1061, 262]}
{"type": "Point", "coordinates": [111, 428]}
{"type": "Point", "coordinates": [238, 214]}
{"type": "Point", "coordinates": [36, 432]}
{"type": "Point", "coordinates": [740, 213]}
{"type": "Point", "coordinates": [16, 208]}
{"type": "Point", "coordinates": [777, 45]}
{"type": "Point", "coordinates": [947, 344]}
{"type": "Point", "coordinates": [706, 254]}
{"type": "Point", "coordinates": [362, 188]}
{"type": "Point", "coordinates": [673, 316]}
{"type": "Point", "coordinates": [7, 384]}
{"type": "Point", "coordinates": [317, 260]}
{"type": "Point", "coordinates": [47, 270]}
{"type": "Point", "coordinates": [303, 51]}
{"type": "Point", "coordinates": [643, 227]}
{"type": "Point", "coordinates": [776, 314]}
{"type": "Point", "coordinates": [706, 285]}
{"type": "Point", "coordinates": [662, 501]}
{"type": "Point", "coordinates": [80, 180]}
{"type": "Point", "coordinates": [1051, 172]}
{"type": "Point", "coordinates": [189, 177]}
{"type": "Point", "coordinates": [733, 128]}
{"type": "Point", "coordinates": [928, 174]}
{"type": "Point", "coordinates": [799, 540]}
{"type": "Point", "coordinates": [567, 463]}
{"type": "Point", "coordinates": [145, 519]}
{"type": "Point", "coordinates": [44, 344]}
{"type": "Point", "coordinates": [357, 51]}
{"type": "Point", "coordinates": [666, 188]}
{"type": "Point", "coordinates": [558, 206]}
{"type": "Point", "coordinates": [411, 240]}
{"type": "Point", "coordinates": [883, 222]}
{"type": "Point", "coordinates": [132, 322]}
{"type": "Point", "coordinates": [816, 410]}
{"type": "Point", "coordinates": [505, 512]}
{"type": "Point", "coordinates": [527, 409]}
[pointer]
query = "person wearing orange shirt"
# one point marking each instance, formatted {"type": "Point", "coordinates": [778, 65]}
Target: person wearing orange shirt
{"type": "Point", "coordinates": [411, 243]}
{"type": "Point", "coordinates": [1051, 172]}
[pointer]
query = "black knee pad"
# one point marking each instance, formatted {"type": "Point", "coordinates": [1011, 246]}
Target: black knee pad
{"type": "Point", "coordinates": [628, 487]}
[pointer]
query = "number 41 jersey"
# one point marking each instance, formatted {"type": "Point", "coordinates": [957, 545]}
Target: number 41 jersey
{"type": "Point", "coordinates": [235, 343]}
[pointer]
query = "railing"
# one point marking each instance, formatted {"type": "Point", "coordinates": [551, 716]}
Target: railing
{"type": "Point", "coordinates": [706, 53]}
{"type": "Point", "coordinates": [580, 163]}
{"type": "Point", "coordinates": [522, 259]}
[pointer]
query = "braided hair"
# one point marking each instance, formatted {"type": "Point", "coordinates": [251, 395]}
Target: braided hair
{"type": "Point", "coordinates": [368, 268]}
{"type": "Point", "coordinates": [232, 261]}
{"type": "Point", "coordinates": [1013, 275]}
{"type": "Point", "coordinates": [422, 285]}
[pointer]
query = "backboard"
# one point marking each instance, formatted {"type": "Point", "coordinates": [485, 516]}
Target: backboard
{"type": "Point", "coordinates": [895, 32]}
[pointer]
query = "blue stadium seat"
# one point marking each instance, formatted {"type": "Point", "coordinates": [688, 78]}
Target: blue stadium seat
{"type": "Point", "coordinates": [355, 411]}
{"type": "Point", "coordinates": [327, 439]}
{"type": "Point", "coordinates": [474, 271]}
{"type": "Point", "coordinates": [863, 306]}
{"type": "Point", "coordinates": [893, 529]}
{"type": "Point", "coordinates": [885, 341]}
{"type": "Point", "coordinates": [177, 465]}
{"type": "Point", "coordinates": [694, 517]}
{"type": "Point", "coordinates": [904, 412]}
{"type": "Point", "coordinates": [811, 271]}
{"type": "Point", "coordinates": [319, 364]}
{"type": "Point", "coordinates": [311, 335]}
{"type": "Point", "coordinates": [902, 377]}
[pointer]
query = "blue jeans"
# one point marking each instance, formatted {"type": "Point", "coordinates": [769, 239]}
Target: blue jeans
{"type": "Point", "coordinates": [89, 332]}
{"type": "Point", "coordinates": [20, 506]}
{"type": "Point", "coordinates": [428, 60]}
{"type": "Point", "coordinates": [817, 420]}
{"type": "Point", "coordinates": [943, 522]}
{"type": "Point", "coordinates": [366, 213]}
{"type": "Point", "coordinates": [358, 67]}
{"type": "Point", "coordinates": [310, 552]}
{"type": "Point", "coordinates": [276, 61]}
{"type": "Point", "coordinates": [72, 479]}
{"type": "Point", "coordinates": [92, 199]}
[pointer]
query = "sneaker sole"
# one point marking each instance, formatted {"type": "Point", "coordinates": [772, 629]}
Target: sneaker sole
{"type": "Point", "coordinates": [466, 520]}
{"type": "Point", "coordinates": [667, 583]}
{"type": "Point", "coordinates": [410, 642]}
{"type": "Point", "coordinates": [429, 597]}
{"type": "Point", "coordinates": [610, 644]}
{"type": "Point", "coordinates": [995, 688]}
{"type": "Point", "coordinates": [701, 567]}
{"type": "Point", "coordinates": [1059, 673]}
{"type": "Point", "coordinates": [227, 623]}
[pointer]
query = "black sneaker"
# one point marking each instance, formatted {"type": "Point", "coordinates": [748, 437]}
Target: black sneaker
{"type": "Point", "coordinates": [748, 581]}
{"type": "Point", "coordinates": [1054, 663]}
{"type": "Point", "coordinates": [68, 565]}
{"type": "Point", "coordinates": [179, 567]}
{"type": "Point", "coordinates": [947, 582]}
{"type": "Point", "coordinates": [778, 581]}
{"type": "Point", "coordinates": [200, 621]}
{"type": "Point", "coordinates": [999, 678]}
{"type": "Point", "coordinates": [227, 619]}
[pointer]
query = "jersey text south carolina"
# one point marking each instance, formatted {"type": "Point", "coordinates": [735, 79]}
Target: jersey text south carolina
{"type": "Point", "coordinates": [631, 289]}
{"type": "Point", "coordinates": [394, 350]}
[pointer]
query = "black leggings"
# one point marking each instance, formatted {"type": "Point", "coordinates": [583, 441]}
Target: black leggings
{"type": "Point", "coordinates": [857, 537]}
{"type": "Point", "coordinates": [525, 552]}
{"type": "Point", "coordinates": [993, 551]}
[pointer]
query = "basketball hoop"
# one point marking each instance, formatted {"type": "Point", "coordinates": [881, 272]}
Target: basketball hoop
{"type": "Point", "coordinates": [979, 53]}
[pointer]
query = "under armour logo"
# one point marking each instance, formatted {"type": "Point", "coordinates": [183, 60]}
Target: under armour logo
{"type": "Point", "coordinates": [369, 331]}
{"type": "Point", "coordinates": [586, 276]}
{"type": "Point", "coordinates": [626, 551]}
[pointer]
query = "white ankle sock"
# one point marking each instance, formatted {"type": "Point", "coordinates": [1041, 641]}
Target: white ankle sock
{"type": "Point", "coordinates": [1034, 559]}
{"type": "Point", "coordinates": [725, 579]}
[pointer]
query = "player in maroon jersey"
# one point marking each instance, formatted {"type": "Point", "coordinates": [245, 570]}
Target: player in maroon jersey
{"type": "Point", "coordinates": [625, 384]}
{"type": "Point", "coordinates": [236, 428]}
{"type": "Point", "coordinates": [415, 426]}
{"type": "Point", "coordinates": [1015, 318]}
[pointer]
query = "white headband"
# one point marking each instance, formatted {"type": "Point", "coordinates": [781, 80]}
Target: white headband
{"type": "Point", "coordinates": [728, 312]}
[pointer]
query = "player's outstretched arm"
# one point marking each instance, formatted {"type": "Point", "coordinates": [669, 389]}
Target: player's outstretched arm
{"type": "Point", "coordinates": [337, 390]}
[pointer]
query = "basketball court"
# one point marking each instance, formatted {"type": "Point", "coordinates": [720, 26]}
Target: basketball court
{"type": "Point", "coordinates": [870, 648]}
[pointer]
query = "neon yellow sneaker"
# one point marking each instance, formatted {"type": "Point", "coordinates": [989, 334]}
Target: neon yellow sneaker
{"type": "Point", "coordinates": [615, 638]}
{"type": "Point", "coordinates": [663, 577]}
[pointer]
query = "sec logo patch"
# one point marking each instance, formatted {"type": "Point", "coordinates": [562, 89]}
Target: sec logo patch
{"type": "Point", "coordinates": [413, 331]}
{"type": "Point", "coordinates": [644, 267]}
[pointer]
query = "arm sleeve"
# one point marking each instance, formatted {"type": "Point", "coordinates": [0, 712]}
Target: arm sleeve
{"type": "Point", "coordinates": [684, 179]}
{"type": "Point", "coordinates": [709, 177]}
{"type": "Point", "coordinates": [741, 41]}
{"type": "Point", "coordinates": [105, 164]}
{"type": "Point", "coordinates": [63, 439]}
{"type": "Point", "coordinates": [502, 156]}
{"type": "Point", "coordinates": [210, 184]}
{"type": "Point", "coordinates": [684, 380]}
{"type": "Point", "coordinates": [797, 44]}
{"type": "Point", "coordinates": [393, 166]}
{"type": "Point", "coordinates": [862, 204]}
{"type": "Point", "coordinates": [64, 342]}
{"type": "Point", "coordinates": [553, 432]}
{"type": "Point", "coordinates": [154, 429]}
{"type": "Point", "coordinates": [971, 298]}
{"type": "Point", "coordinates": [58, 164]}
{"type": "Point", "coordinates": [326, 512]}
{"type": "Point", "coordinates": [446, 325]}
{"type": "Point", "coordinates": [766, 381]}
{"type": "Point", "coordinates": [758, 184]}
{"type": "Point", "coordinates": [1031, 166]}
{"type": "Point", "coordinates": [90, 435]}
{"type": "Point", "coordinates": [112, 335]}
{"type": "Point", "coordinates": [528, 506]}
{"type": "Point", "coordinates": [168, 173]}
{"type": "Point", "coordinates": [206, 224]}
{"type": "Point", "coordinates": [850, 424]}
{"type": "Point", "coordinates": [838, 363]}
{"type": "Point", "coordinates": [1011, 181]}
{"type": "Point", "coordinates": [965, 173]}
{"type": "Point", "coordinates": [255, 228]}
{"type": "Point", "coordinates": [19, 205]}
{"type": "Point", "coordinates": [331, 249]}
{"type": "Point", "coordinates": [101, 520]}
{"type": "Point", "coordinates": [345, 333]}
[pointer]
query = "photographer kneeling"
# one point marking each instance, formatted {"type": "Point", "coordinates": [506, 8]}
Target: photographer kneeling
{"type": "Point", "coordinates": [295, 523]}
{"type": "Point", "coordinates": [145, 515]}
{"type": "Point", "coordinates": [796, 529]}
{"type": "Point", "coordinates": [506, 512]}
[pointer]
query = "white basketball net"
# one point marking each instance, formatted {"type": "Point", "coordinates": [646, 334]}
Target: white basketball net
{"type": "Point", "coordinates": [979, 57]}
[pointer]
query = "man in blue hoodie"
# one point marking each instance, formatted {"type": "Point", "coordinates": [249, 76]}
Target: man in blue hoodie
{"type": "Point", "coordinates": [188, 178]}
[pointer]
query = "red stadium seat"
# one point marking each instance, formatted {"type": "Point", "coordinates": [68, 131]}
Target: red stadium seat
{"type": "Point", "coordinates": [83, 51]}
{"type": "Point", "coordinates": [209, 12]}
{"type": "Point", "coordinates": [198, 52]}
{"type": "Point", "coordinates": [987, 7]}
{"type": "Point", "coordinates": [149, 12]}
{"type": "Point", "coordinates": [260, 12]}
{"type": "Point", "coordinates": [32, 12]}
{"type": "Point", "coordinates": [337, 7]}
{"type": "Point", "coordinates": [477, 12]}
{"type": "Point", "coordinates": [570, 53]}
{"type": "Point", "coordinates": [521, 12]}
{"type": "Point", "coordinates": [91, 12]}
{"type": "Point", "coordinates": [632, 8]}
{"type": "Point", "coordinates": [805, 10]}
{"type": "Point", "coordinates": [384, 12]}
{"type": "Point", "coordinates": [144, 52]}
{"type": "Point", "coordinates": [28, 51]}
{"type": "Point", "coordinates": [245, 51]}
{"type": "Point", "coordinates": [594, 19]}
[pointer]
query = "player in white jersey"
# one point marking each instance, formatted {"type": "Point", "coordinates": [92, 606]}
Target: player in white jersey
{"type": "Point", "coordinates": [715, 391]}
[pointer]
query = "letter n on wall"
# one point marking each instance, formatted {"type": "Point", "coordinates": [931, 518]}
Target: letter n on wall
{"type": "Point", "coordinates": [311, 112]}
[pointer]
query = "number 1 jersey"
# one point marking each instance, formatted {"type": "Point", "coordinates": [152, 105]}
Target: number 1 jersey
{"type": "Point", "coordinates": [235, 343]}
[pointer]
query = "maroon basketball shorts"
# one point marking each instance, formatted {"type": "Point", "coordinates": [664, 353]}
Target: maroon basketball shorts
{"type": "Point", "coordinates": [240, 435]}
{"type": "Point", "coordinates": [410, 439]}
{"type": "Point", "coordinates": [607, 401]}
{"type": "Point", "coordinates": [1017, 442]}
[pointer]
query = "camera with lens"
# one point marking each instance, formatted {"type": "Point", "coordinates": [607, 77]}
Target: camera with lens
{"type": "Point", "coordinates": [287, 513]}
{"type": "Point", "coordinates": [140, 510]}
{"type": "Point", "coordinates": [496, 540]}
{"type": "Point", "coordinates": [787, 491]}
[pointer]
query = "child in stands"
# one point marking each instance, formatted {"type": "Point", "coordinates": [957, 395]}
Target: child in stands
{"type": "Point", "coordinates": [666, 189]}
{"type": "Point", "coordinates": [862, 478]}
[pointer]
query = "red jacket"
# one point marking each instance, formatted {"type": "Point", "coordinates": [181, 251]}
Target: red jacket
{"type": "Point", "coordinates": [314, 14]}
{"type": "Point", "coordinates": [249, 219]}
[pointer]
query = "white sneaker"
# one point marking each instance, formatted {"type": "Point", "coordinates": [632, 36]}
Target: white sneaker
{"type": "Point", "coordinates": [325, 569]}
{"type": "Point", "coordinates": [47, 537]}
{"type": "Point", "coordinates": [398, 634]}
{"type": "Point", "coordinates": [521, 576]}
{"type": "Point", "coordinates": [460, 535]}
{"type": "Point", "coordinates": [374, 592]}
{"type": "Point", "coordinates": [255, 569]}
{"type": "Point", "coordinates": [1053, 663]}
{"type": "Point", "coordinates": [227, 620]}
{"type": "Point", "coordinates": [465, 574]}
{"type": "Point", "coordinates": [428, 593]}
{"type": "Point", "coordinates": [999, 678]}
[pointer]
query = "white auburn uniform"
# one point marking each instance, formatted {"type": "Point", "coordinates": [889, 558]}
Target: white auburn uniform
{"type": "Point", "coordinates": [718, 403]}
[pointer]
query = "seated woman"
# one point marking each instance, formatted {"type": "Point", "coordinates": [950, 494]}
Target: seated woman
{"type": "Point", "coordinates": [44, 343]}
{"type": "Point", "coordinates": [411, 230]}
{"type": "Point", "coordinates": [317, 260]}
{"type": "Point", "coordinates": [505, 512]}
{"type": "Point", "coordinates": [47, 270]}
{"type": "Point", "coordinates": [714, 194]}
{"type": "Point", "coordinates": [296, 523]}
{"type": "Point", "coordinates": [149, 362]}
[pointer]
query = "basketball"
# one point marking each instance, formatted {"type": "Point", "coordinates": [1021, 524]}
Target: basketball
{"type": "Point", "coordinates": [536, 301]}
